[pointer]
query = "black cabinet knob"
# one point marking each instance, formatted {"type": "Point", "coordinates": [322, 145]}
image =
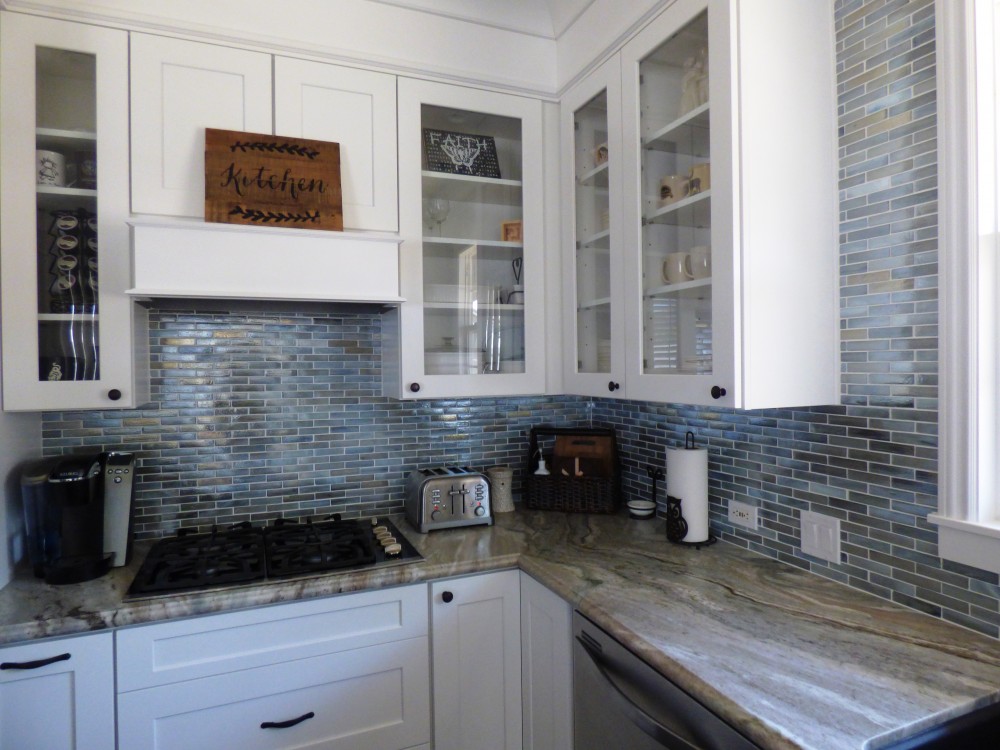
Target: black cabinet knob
{"type": "Point", "coordinates": [447, 596]}
{"type": "Point", "coordinates": [414, 387]}
{"type": "Point", "coordinates": [718, 392]}
{"type": "Point", "coordinates": [613, 386]}
{"type": "Point", "coordinates": [114, 394]}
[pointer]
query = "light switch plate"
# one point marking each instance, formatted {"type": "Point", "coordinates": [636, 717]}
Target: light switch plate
{"type": "Point", "coordinates": [820, 536]}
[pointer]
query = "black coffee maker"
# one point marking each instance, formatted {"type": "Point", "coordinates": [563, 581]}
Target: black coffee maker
{"type": "Point", "coordinates": [77, 510]}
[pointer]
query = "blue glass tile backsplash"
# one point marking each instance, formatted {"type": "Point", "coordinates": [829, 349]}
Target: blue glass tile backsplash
{"type": "Point", "coordinates": [266, 413]}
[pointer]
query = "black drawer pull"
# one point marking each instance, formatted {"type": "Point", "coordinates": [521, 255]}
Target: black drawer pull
{"type": "Point", "coordinates": [286, 724]}
{"type": "Point", "coordinates": [34, 664]}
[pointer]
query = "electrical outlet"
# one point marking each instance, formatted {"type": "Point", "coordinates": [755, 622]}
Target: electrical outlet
{"type": "Point", "coordinates": [820, 536]}
{"type": "Point", "coordinates": [743, 514]}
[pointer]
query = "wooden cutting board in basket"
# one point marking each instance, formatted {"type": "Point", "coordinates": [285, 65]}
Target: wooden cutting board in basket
{"type": "Point", "coordinates": [592, 454]}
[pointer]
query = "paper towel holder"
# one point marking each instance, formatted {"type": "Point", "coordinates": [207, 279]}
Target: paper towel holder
{"type": "Point", "coordinates": [677, 527]}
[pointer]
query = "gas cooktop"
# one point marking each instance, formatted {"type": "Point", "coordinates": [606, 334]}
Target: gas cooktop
{"type": "Point", "coordinates": [244, 553]}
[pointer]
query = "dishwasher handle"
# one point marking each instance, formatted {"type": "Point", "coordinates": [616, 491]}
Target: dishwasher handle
{"type": "Point", "coordinates": [666, 737]}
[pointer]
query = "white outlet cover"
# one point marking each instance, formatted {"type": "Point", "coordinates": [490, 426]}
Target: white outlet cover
{"type": "Point", "coordinates": [820, 536]}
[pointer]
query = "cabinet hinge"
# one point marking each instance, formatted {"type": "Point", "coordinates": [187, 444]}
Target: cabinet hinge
{"type": "Point", "coordinates": [576, 126]}
{"type": "Point", "coordinates": [578, 245]}
{"type": "Point", "coordinates": [641, 80]}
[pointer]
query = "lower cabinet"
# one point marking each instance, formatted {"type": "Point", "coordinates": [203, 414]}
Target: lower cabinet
{"type": "Point", "coordinates": [346, 672]}
{"type": "Point", "coordinates": [58, 694]}
{"type": "Point", "coordinates": [546, 667]}
{"type": "Point", "coordinates": [476, 643]}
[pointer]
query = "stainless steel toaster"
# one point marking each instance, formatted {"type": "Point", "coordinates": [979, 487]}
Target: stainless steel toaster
{"type": "Point", "coordinates": [446, 497]}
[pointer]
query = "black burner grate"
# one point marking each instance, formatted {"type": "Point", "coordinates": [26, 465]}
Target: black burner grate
{"type": "Point", "coordinates": [243, 554]}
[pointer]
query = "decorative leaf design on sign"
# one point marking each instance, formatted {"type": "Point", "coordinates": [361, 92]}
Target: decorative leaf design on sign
{"type": "Point", "coordinates": [275, 217]}
{"type": "Point", "coordinates": [275, 148]}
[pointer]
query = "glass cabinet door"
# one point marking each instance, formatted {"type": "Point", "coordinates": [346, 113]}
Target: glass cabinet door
{"type": "Point", "coordinates": [68, 251]}
{"type": "Point", "coordinates": [680, 222]}
{"type": "Point", "coordinates": [591, 130]}
{"type": "Point", "coordinates": [676, 204]}
{"type": "Point", "coordinates": [473, 260]}
{"type": "Point", "coordinates": [471, 264]}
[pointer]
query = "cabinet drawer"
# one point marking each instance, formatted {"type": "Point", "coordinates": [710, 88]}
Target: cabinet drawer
{"type": "Point", "coordinates": [170, 652]}
{"type": "Point", "coordinates": [367, 698]}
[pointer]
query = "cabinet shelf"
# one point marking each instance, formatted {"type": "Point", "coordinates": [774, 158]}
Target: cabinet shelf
{"type": "Point", "coordinates": [684, 286]}
{"type": "Point", "coordinates": [462, 187]}
{"type": "Point", "coordinates": [67, 317]}
{"type": "Point", "coordinates": [688, 134]}
{"type": "Point", "coordinates": [693, 211]}
{"type": "Point", "coordinates": [465, 242]}
{"type": "Point", "coordinates": [599, 241]}
{"type": "Point", "coordinates": [51, 197]}
{"type": "Point", "coordinates": [594, 303]}
{"type": "Point", "coordinates": [596, 177]}
{"type": "Point", "coordinates": [57, 138]}
{"type": "Point", "coordinates": [482, 306]}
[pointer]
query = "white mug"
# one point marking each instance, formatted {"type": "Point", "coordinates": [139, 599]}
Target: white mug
{"type": "Point", "coordinates": [677, 268]}
{"type": "Point", "coordinates": [50, 168]}
{"type": "Point", "coordinates": [701, 261]}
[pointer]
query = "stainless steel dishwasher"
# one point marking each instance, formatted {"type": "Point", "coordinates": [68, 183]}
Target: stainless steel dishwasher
{"type": "Point", "coordinates": [620, 701]}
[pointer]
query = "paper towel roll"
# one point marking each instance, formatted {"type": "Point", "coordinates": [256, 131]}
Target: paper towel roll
{"type": "Point", "coordinates": [687, 478]}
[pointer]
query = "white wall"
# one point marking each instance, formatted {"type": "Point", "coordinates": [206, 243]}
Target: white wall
{"type": "Point", "coordinates": [20, 439]}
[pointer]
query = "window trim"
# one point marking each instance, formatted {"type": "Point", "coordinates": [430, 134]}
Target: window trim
{"type": "Point", "coordinates": [968, 366]}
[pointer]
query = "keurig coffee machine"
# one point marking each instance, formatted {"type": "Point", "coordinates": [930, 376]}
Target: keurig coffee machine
{"type": "Point", "coordinates": [77, 512]}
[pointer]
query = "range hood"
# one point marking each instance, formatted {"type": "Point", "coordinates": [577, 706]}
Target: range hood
{"type": "Point", "coordinates": [194, 259]}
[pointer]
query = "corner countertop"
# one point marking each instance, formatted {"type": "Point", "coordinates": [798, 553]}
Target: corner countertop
{"type": "Point", "coordinates": [790, 659]}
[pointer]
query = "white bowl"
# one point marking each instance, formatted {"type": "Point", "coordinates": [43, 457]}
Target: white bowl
{"type": "Point", "coordinates": [641, 508]}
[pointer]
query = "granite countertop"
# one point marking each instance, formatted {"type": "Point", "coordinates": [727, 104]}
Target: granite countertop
{"type": "Point", "coordinates": [789, 658]}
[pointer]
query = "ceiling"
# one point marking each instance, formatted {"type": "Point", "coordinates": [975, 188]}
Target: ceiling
{"type": "Point", "coordinates": [543, 18]}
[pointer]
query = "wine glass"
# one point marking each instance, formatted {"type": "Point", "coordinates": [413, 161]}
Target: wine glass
{"type": "Point", "coordinates": [437, 210]}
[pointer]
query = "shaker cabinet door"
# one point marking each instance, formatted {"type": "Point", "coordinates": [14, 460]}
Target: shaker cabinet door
{"type": "Point", "coordinates": [357, 109]}
{"type": "Point", "coordinates": [178, 89]}
{"type": "Point", "coordinates": [58, 694]}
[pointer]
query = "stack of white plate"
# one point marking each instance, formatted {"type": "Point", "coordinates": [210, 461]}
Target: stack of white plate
{"type": "Point", "coordinates": [604, 355]}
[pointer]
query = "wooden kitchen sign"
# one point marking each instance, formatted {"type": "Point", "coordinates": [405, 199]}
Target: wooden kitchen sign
{"type": "Point", "coordinates": [272, 181]}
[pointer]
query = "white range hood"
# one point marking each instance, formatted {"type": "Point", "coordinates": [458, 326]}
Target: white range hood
{"type": "Point", "coordinates": [194, 259]}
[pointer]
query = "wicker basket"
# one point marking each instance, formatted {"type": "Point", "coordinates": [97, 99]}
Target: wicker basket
{"type": "Point", "coordinates": [595, 492]}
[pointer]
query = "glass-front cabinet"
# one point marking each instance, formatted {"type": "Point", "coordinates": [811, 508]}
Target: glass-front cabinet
{"type": "Point", "coordinates": [594, 342]}
{"type": "Point", "coordinates": [471, 265]}
{"type": "Point", "coordinates": [67, 326]}
{"type": "Point", "coordinates": [678, 220]}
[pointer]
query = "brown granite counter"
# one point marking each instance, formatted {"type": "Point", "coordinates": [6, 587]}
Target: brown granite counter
{"type": "Point", "coordinates": [791, 659]}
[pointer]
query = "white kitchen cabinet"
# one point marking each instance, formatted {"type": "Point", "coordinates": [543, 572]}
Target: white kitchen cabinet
{"type": "Point", "coordinates": [729, 177]}
{"type": "Point", "coordinates": [476, 632]}
{"type": "Point", "coordinates": [546, 667]}
{"type": "Point", "coordinates": [472, 258]}
{"type": "Point", "coordinates": [343, 672]}
{"type": "Point", "coordinates": [357, 109]}
{"type": "Point", "coordinates": [594, 344]}
{"type": "Point", "coordinates": [58, 694]}
{"type": "Point", "coordinates": [178, 89]}
{"type": "Point", "coordinates": [69, 342]}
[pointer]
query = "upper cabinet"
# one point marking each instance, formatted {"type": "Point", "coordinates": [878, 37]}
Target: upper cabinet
{"type": "Point", "coordinates": [71, 338]}
{"type": "Point", "coordinates": [727, 214]}
{"type": "Point", "coordinates": [180, 87]}
{"type": "Point", "coordinates": [471, 262]}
